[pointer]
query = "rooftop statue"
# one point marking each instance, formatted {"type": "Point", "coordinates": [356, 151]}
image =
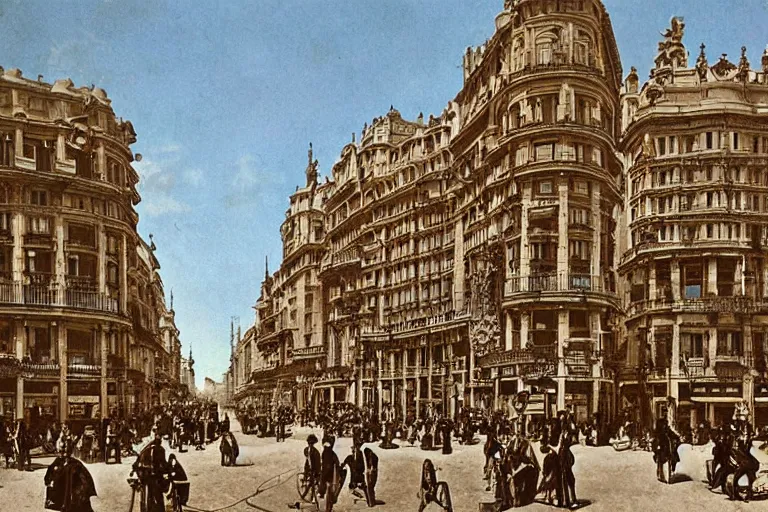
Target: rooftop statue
{"type": "Point", "coordinates": [671, 50]}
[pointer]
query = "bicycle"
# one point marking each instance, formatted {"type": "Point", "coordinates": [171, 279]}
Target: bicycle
{"type": "Point", "coordinates": [306, 485]}
{"type": "Point", "coordinates": [441, 496]}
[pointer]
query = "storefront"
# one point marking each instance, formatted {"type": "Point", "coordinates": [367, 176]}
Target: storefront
{"type": "Point", "coordinates": [84, 398]}
{"type": "Point", "coordinates": [8, 399]}
{"type": "Point", "coordinates": [761, 404]}
{"type": "Point", "coordinates": [41, 398]}
{"type": "Point", "coordinates": [718, 400]}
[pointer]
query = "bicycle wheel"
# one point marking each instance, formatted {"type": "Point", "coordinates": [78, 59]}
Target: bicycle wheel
{"type": "Point", "coordinates": [304, 488]}
{"type": "Point", "coordinates": [443, 496]}
{"type": "Point", "coordinates": [143, 499]}
{"type": "Point", "coordinates": [175, 504]}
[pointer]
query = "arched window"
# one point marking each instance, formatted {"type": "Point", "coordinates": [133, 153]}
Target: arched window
{"type": "Point", "coordinates": [546, 45]}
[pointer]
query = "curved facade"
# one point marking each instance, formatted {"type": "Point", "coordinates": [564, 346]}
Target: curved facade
{"type": "Point", "coordinates": [540, 115]}
{"type": "Point", "coordinates": [596, 243]}
{"type": "Point", "coordinates": [696, 148]}
{"type": "Point", "coordinates": [79, 292]}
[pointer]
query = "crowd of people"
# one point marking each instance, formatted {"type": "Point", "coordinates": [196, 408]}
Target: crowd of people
{"type": "Point", "coordinates": [69, 485]}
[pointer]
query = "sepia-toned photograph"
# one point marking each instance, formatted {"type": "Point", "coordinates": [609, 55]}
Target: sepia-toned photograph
{"type": "Point", "coordinates": [401, 255]}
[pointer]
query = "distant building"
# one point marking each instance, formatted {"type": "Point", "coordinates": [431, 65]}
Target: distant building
{"type": "Point", "coordinates": [187, 377]}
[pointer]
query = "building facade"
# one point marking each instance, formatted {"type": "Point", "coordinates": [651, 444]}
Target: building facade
{"type": "Point", "coordinates": [696, 200]}
{"type": "Point", "coordinates": [77, 283]}
{"type": "Point", "coordinates": [556, 229]}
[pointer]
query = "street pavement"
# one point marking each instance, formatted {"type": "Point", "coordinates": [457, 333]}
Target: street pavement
{"type": "Point", "coordinates": [606, 480]}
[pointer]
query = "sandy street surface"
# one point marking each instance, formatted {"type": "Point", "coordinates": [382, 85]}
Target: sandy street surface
{"type": "Point", "coordinates": [606, 480]}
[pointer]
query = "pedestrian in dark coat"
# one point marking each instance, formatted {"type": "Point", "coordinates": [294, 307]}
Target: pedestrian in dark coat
{"type": "Point", "coordinates": [69, 484]}
{"type": "Point", "coordinates": [371, 475]}
{"type": "Point", "coordinates": [332, 476]}
{"type": "Point", "coordinates": [356, 464]}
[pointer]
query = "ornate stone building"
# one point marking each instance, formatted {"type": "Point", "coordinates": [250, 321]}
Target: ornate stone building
{"type": "Point", "coordinates": [696, 200]}
{"type": "Point", "coordinates": [80, 299]}
{"type": "Point", "coordinates": [596, 243]}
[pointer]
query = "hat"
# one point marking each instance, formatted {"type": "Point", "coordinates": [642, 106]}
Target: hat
{"type": "Point", "coordinates": [312, 439]}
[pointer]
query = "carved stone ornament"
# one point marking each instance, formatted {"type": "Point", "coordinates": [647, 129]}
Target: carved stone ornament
{"type": "Point", "coordinates": [485, 335]}
{"type": "Point", "coordinates": [702, 66]}
{"type": "Point", "coordinates": [724, 69]}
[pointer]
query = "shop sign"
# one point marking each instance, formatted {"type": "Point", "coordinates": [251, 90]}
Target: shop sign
{"type": "Point", "coordinates": [716, 390]}
{"type": "Point", "coordinates": [761, 390]}
{"type": "Point", "coordinates": [76, 410]}
{"type": "Point", "coordinates": [538, 370]}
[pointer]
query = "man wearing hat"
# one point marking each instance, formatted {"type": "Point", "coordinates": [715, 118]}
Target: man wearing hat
{"type": "Point", "coordinates": [356, 464]}
{"type": "Point", "coordinates": [312, 462]}
{"type": "Point", "coordinates": [331, 474]}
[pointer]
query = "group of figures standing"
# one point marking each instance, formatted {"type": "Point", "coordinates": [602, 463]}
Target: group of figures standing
{"type": "Point", "coordinates": [514, 472]}
{"type": "Point", "coordinates": [155, 477]}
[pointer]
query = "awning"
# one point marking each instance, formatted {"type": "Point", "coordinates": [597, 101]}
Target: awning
{"type": "Point", "coordinates": [716, 399]}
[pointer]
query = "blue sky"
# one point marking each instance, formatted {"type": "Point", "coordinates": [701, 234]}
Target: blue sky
{"type": "Point", "coordinates": [226, 95]}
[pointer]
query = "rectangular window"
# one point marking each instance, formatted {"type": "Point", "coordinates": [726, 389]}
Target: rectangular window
{"type": "Point", "coordinates": [39, 198]}
{"type": "Point", "coordinates": [710, 140]}
{"type": "Point", "coordinates": [545, 187]}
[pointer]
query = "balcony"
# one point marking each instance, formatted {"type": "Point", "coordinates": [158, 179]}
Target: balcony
{"type": "Point", "coordinates": [551, 282]}
{"type": "Point", "coordinates": [40, 369]}
{"type": "Point", "coordinates": [80, 243]}
{"type": "Point", "coordinates": [38, 240]}
{"type": "Point", "coordinates": [711, 304]}
{"type": "Point", "coordinates": [309, 352]}
{"type": "Point", "coordinates": [88, 370]}
{"type": "Point", "coordinates": [19, 294]}
{"type": "Point", "coordinates": [532, 355]}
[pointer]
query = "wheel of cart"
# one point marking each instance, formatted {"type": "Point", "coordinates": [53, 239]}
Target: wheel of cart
{"type": "Point", "coordinates": [307, 488]}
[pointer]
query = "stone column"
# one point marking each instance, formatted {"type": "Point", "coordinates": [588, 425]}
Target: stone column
{"type": "Point", "coordinates": [19, 141]}
{"type": "Point", "coordinates": [562, 242]}
{"type": "Point", "coordinates": [675, 279]}
{"type": "Point", "coordinates": [675, 363]}
{"type": "Point", "coordinates": [124, 276]}
{"type": "Point", "coordinates": [525, 323]}
{"type": "Point", "coordinates": [63, 360]}
{"type": "Point", "coordinates": [430, 365]}
{"type": "Point", "coordinates": [711, 277]}
{"type": "Point", "coordinates": [525, 252]}
{"type": "Point", "coordinates": [61, 262]}
{"type": "Point", "coordinates": [597, 222]}
{"type": "Point", "coordinates": [562, 335]}
{"type": "Point", "coordinates": [652, 295]}
{"type": "Point", "coordinates": [17, 227]}
{"type": "Point", "coordinates": [496, 390]}
{"type": "Point", "coordinates": [508, 331]}
{"type": "Point", "coordinates": [404, 396]}
{"type": "Point", "coordinates": [20, 340]}
{"type": "Point", "coordinates": [61, 147]}
{"type": "Point", "coordinates": [379, 385]}
{"type": "Point", "coordinates": [101, 240]}
{"type": "Point", "coordinates": [104, 357]}
{"type": "Point", "coordinates": [712, 347]}
{"type": "Point", "coordinates": [595, 396]}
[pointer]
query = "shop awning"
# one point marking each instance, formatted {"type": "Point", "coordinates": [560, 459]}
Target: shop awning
{"type": "Point", "coordinates": [716, 399]}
